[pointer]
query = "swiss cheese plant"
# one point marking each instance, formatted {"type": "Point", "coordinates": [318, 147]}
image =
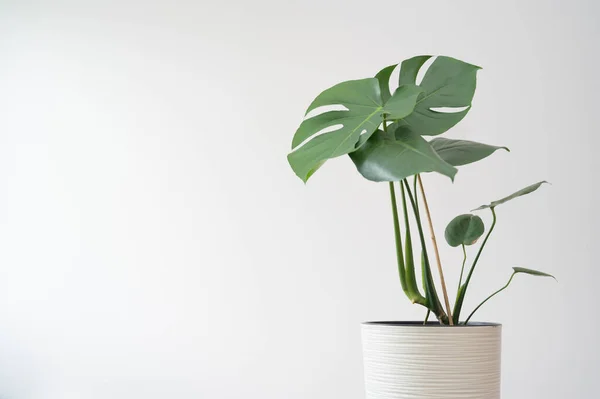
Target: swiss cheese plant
{"type": "Point", "coordinates": [395, 137]}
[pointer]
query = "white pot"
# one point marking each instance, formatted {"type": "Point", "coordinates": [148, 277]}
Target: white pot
{"type": "Point", "coordinates": [407, 360]}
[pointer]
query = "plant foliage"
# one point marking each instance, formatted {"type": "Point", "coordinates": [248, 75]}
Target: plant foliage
{"type": "Point", "coordinates": [385, 132]}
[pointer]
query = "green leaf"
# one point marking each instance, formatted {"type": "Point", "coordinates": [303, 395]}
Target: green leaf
{"type": "Point", "coordinates": [464, 230]}
{"type": "Point", "coordinates": [364, 114]}
{"type": "Point", "coordinates": [532, 272]}
{"type": "Point", "coordinates": [462, 152]}
{"type": "Point", "coordinates": [410, 69]}
{"type": "Point", "coordinates": [383, 77]}
{"type": "Point", "coordinates": [447, 83]}
{"type": "Point", "coordinates": [524, 191]}
{"type": "Point", "coordinates": [395, 156]}
{"type": "Point", "coordinates": [402, 103]}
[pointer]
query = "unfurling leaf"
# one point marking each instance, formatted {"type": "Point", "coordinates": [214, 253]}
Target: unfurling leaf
{"type": "Point", "coordinates": [532, 272]}
{"type": "Point", "coordinates": [464, 230]}
{"type": "Point", "coordinates": [524, 191]}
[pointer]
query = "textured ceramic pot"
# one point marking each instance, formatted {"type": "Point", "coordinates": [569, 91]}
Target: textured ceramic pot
{"type": "Point", "coordinates": [407, 360]}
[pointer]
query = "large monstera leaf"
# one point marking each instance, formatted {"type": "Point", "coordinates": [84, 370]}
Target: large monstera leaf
{"type": "Point", "coordinates": [365, 110]}
{"type": "Point", "coordinates": [447, 83]}
{"type": "Point", "coordinates": [397, 155]}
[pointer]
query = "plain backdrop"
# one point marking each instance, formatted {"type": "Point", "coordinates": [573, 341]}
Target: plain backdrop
{"type": "Point", "coordinates": [155, 243]}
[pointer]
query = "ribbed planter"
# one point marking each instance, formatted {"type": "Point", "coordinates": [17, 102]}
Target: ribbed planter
{"type": "Point", "coordinates": [407, 360]}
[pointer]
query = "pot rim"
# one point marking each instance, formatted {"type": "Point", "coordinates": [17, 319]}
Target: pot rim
{"type": "Point", "coordinates": [429, 324]}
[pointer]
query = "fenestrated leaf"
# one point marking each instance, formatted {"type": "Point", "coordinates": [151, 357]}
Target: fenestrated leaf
{"type": "Point", "coordinates": [464, 230]}
{"type": "Point", "coordinates": [447, 83]}
{"type": "Point", "coordinates": [410, 69]}
{"type": "Point", "coordinates": [402, 103]}
{"type": "Point", "coordinates": [383, 77]}
{"type": "Point", "coordinates": [532, 272]}
{"type": "Point", "coordinates": [397, 155]}
{"type": "Point", "coordinates": [462, 152]}
{"type": "Point", "coordinates": [408, 74]}
{"type": "Point", "coordinates": [361, 97]}
{"type": "Point", "coordinates": [364, 114]}
{"type": "Point", "coordinates": [524, 191]}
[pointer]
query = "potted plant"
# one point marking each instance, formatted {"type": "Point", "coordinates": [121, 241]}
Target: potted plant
{"type": "Point", "coordinates": [384, 135]}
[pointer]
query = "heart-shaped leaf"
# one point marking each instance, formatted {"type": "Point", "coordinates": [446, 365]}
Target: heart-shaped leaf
{"type": "Point", "coordinates": [524, 191]}
{"type": "Point", "coordinates": [364, 114]}
{"type": "Point", "coordinates": [397, 155]}
{"type": "Point", "coordinates": [532, 272]}
{"type": "Point", "coordinates": [462, 152]}
{"type": "Point", "coordinates": [447, 83]}
{"type": "Point", "coordinates": [464, 230]}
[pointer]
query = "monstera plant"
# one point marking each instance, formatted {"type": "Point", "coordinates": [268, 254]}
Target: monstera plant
{"type": "Point", "coordinates": [393, 137]}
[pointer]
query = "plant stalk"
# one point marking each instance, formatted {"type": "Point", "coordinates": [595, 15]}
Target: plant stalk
{"type": "Point", "coordinates": [427, 316]}
{"type": "Point", "coordinates": [462, 269]}
{"type": "Point", "coordinates": [433, 301]}
{"type": "Point", "coordinates": [490, 297]}
{"type": "Point", "coordinates": [409, 263]}
{"type": "Point", "coordinates": [398, 238]}
{"type": "Point", "coordinates": [460, 297]}
{"type": "Point", "coordinates": [405, 268]}
{"type": "Point", "coordinates": [437, 253]}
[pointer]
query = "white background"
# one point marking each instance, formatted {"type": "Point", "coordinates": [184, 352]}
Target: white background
{"type": "Point", "coordinates": [154, 242]}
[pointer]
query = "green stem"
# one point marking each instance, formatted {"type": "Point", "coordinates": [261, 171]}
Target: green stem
{"type": "Point", "coordinates": [463, 289]}
{"type": "Point", "coordinates": [416, 191]}
{"type": "Point", "coordinates": [490, 297]}
{"type": "Point", "coordinates": [462, 269]}
{"type": "Point", "coordinates": [409, 263]}
{"type": "Point", "coordinates": [431, 294]}
{"type": "Point", "coordinates": [398, 237]}
{"type": "Point", "coordinates": [435, 250]}
{"type": "Point", "coordinates": [416, 205]}
{"type": "Point", "coordinates": [427, 316]}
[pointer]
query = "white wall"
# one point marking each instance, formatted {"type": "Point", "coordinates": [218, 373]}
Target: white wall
{"type": "Point", "coordinates": [154, 242]}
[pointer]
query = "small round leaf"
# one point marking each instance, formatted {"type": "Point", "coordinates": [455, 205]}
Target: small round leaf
{"type": "Point", "coordinates": [464, 230]}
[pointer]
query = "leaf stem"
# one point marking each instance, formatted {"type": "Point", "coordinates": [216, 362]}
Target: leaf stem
{"type": "Point", "coordinates": [463, 289]}
{"type": "Point", "coordinates": [462, 269]}
{"type": "Point", "coordinates": [427, 316]}
{"type": "Point", "coordinates": [398, 238]}
{"type": "Point", "coordinates": [433, 301]}
{"type": "Point", "coordinates": [437, 253]}
{"type": "Point", "coordinates": [409, 263]}
{"type": "Point", "coordinates": [490, 297]}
